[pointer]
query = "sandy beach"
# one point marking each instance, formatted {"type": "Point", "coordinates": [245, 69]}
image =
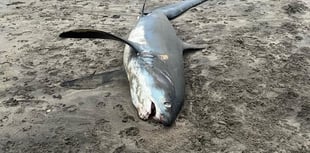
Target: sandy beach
{"type": "Point", "coordinates": [247, 92]}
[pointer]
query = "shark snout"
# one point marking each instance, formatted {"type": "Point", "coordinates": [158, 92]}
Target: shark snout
{"type": "Point", "coordinates": [163, 115]}
{"type": "Point", "coordinates": [154, 112]}
{"type": "Point", "coordinates": [166, 120]}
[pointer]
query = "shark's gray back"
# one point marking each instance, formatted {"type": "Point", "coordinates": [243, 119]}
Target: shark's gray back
{"type": "Point", "coordinates": [160, 64]}
{"type": "Point", "coordinates": [155, 32]}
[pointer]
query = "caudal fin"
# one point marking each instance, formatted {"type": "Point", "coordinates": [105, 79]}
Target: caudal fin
{"type": "Point", "coordinates": [174, 10]}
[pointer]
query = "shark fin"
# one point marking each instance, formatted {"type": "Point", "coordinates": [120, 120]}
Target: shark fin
{"type": "Point", "coordinates": [96, 34]}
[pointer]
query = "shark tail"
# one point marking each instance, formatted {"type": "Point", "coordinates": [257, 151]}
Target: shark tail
{"type": "Point", "coordinates": [172, 11]}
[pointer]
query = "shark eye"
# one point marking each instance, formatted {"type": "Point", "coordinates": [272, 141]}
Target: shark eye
{"type": "Point", "coordinates": [167, 104]}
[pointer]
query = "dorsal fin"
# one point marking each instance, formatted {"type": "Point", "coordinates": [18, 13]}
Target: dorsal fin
{"type": "Point", "coordinates": [143, 7]}
{"type": "Point", "coordinates": [96, 34]}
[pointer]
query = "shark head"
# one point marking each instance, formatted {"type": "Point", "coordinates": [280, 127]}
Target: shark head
{"type": "Point", "coordinates": [152, 92]}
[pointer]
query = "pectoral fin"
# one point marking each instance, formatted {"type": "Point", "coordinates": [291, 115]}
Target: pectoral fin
{"type": "Point", "coordinates": [95, 80]}
{"type": "Point", "coordinates": [96, 34]}
{"type": "Point", "coordinates": [190, 47]}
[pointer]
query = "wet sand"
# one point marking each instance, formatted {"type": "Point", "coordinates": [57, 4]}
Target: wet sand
{"type": "Point", "coordinates": [248, 91]}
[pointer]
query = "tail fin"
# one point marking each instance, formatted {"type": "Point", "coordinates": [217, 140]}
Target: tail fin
{"type": "Point", "coordinates": [174, 10]}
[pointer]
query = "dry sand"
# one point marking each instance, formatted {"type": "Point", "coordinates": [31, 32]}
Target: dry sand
{"type": "Point", "coordinates": [249, 91]}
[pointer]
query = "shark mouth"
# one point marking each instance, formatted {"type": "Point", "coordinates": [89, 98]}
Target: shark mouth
{"type": "Point", "coordinates": [153, 111]}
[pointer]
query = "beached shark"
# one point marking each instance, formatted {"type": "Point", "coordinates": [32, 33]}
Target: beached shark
{"type": "Point", "coordinates": [153, 62]}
